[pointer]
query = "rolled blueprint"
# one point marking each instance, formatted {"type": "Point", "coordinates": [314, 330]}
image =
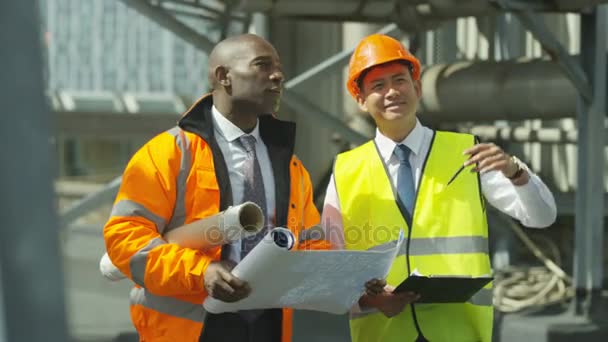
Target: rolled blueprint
{"type": "Point", "coordinates": [108, 269]}
{"type": "Point", "coordinates": [233, 224]}
{"type": "Point", "coordinates": [274, 244]}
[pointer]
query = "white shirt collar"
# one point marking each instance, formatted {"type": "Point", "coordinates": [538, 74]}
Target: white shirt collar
{"type": "Point", "coordinates": [229, 130]}
{"type": "Point", "coordinates": [413, 141]}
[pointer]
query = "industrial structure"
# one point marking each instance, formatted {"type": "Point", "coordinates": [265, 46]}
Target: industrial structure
{"type": "Point", "coordinates": [528, 75]}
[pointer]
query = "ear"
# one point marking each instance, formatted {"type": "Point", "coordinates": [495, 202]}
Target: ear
{"type": "Point", "coordinates": [362, 103]}
{"type": "Point", "coordinates": [418, 88]}
{"type": "Point", "coordinates": [222, 75]}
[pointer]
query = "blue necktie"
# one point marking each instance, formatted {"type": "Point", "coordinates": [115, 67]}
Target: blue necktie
{"type": "Point", "coordinates": [405, 180]}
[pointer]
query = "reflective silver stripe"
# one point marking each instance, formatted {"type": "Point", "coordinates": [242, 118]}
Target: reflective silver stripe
{"type": "Point", "coordinates": [482, 298]}
{"type": "Point", "coordinates": [128, 208]}
{"type": "Point", "coordinates": [448, 245]}
{"type": "Point", "coordinates": [314, 233]}
{"type": "Point", "coordinates": [179, 211]}
{"type": "Point", "coordinates": [365, 313]}
{"type": "Point", "coordinates": [168, 305]}
{"type": "Point", "coordinates": [139, 260]}
{"type": "Point", "coordinates": [444, 245]}
{"type": "Point", "coordinates": [387, 245]}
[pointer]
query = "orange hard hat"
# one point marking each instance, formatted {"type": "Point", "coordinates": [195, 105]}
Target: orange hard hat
{"type": "Point", "coordinates": [375, 50]}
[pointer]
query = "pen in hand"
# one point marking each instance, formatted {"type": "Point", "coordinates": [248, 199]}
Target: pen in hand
{"type": "Point", "coordinates": [456, 174]}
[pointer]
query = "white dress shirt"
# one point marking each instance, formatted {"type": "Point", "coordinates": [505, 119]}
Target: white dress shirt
{"type": "Point", "coordinates": [532, 203]}
{"type": "Point", "coordinates": [227, 136]}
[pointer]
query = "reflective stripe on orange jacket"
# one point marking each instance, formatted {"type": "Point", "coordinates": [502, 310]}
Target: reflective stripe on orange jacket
{"type": "Point", "coordinates": [178, 177]}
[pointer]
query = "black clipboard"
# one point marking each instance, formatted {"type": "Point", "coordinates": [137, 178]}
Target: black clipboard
{"type": "Point", "coordinates": [443, 289]}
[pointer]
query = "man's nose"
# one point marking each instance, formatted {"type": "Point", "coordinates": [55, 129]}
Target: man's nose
{"type": "Point", "coordinates": [392, 92]}
{"type": "Point", "coordinates": [277, 76]}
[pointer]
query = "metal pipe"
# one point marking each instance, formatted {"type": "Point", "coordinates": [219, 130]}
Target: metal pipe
{"type": "Point", "coordinates": [523, 134]}
{"type": "Point", "coordinates": [510, 90]}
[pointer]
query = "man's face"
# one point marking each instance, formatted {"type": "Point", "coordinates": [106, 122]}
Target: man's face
{"type": "Point", "coordinates": [256, 77]}
{"type": "Point", "coordinates": [390, 94]}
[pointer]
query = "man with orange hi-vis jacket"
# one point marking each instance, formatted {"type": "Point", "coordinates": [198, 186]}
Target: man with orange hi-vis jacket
{"type": "Point", "coordinates": [226, 149]}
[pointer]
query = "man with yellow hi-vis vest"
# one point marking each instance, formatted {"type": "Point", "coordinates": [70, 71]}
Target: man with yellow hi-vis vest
{"type": "Point", "coordinates": [408, 178]}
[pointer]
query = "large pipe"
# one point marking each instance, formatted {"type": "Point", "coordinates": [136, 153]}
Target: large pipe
{"type": "Point", "coordinates": [509, 90]}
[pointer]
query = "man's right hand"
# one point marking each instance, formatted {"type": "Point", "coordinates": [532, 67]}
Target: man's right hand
{"type": "Point", "coordinates": [221, 284]}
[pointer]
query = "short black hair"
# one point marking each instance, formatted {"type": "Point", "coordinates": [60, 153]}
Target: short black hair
{"type": "Point", "coordinates": [364, 73]}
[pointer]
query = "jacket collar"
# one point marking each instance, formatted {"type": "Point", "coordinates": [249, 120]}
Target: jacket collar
{"type": "Point", "coordinates": [198, 120]}
{"type": "Point", "coordinates": [278, 136]}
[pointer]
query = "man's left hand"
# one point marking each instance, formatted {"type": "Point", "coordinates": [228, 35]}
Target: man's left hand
{"type": "Point", "coordinates": [490, 157]}
{"type": "Point", "coordinates": [388, 302]}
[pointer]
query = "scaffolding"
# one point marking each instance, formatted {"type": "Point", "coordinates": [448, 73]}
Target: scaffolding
{"type": "Point", "coordinates": [133, 92]}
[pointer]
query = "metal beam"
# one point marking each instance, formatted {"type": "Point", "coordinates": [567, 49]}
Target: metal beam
{"type": "Point", "coordinates": [335, 62]}
{"type": "Point", "coordinates": [589, 221]}
{"type": "Point", "coordinates": [411, 16]}
{"type": "Point", "coordinates": [112, 125]}
{"type": "Point", "coordinates": [291, 98]}
{"type": "Point", "coordinates": [507, 90]}
{"type": "Point", "coordinates": [305, 107]}
{"type": "Point", "coordinates": [198, 8]}
{"type": "Point", "coordinates": [31, 277]}
{"type": "Point", "coordinates": [572, 69]}
{"type": "Point", "coordinates": [164, 19]}
{"type": "Point", "coordinates": [90, 203]}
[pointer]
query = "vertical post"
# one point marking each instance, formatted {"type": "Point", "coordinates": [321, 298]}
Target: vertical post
{"type": "Point", "coordinates": [259, 25]}
{"type": "Point", "coordinates": [589, 221]}
{"type": "Point", "coordinates": [31, 279]}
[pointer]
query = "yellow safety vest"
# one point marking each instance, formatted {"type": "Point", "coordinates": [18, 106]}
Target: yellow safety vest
{"type": "Point", "coordinates": [449, 235]}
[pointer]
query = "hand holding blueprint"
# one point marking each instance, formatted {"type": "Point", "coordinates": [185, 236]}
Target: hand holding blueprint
{"type": "Point", "coordinates": [329, 281]}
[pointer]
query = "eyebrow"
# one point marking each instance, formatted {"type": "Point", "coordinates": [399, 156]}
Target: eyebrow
{"type": "Point", "coordinates": [261, 58]}
{"type": "Point", "coordinates": [381, 79]}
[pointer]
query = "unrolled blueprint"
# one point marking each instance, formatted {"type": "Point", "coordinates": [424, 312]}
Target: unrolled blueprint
{"type": "Point", "coordinates": [329, 281]}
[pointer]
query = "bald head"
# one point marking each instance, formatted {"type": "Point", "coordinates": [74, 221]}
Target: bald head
{"type": "Point", "coordinates": [246, 75]}
{"type": "Point", "coordinates": [233, 49]}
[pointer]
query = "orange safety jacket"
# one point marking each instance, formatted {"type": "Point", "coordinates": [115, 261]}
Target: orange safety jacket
{"type": "Point", "coordinates": [178, 177]}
